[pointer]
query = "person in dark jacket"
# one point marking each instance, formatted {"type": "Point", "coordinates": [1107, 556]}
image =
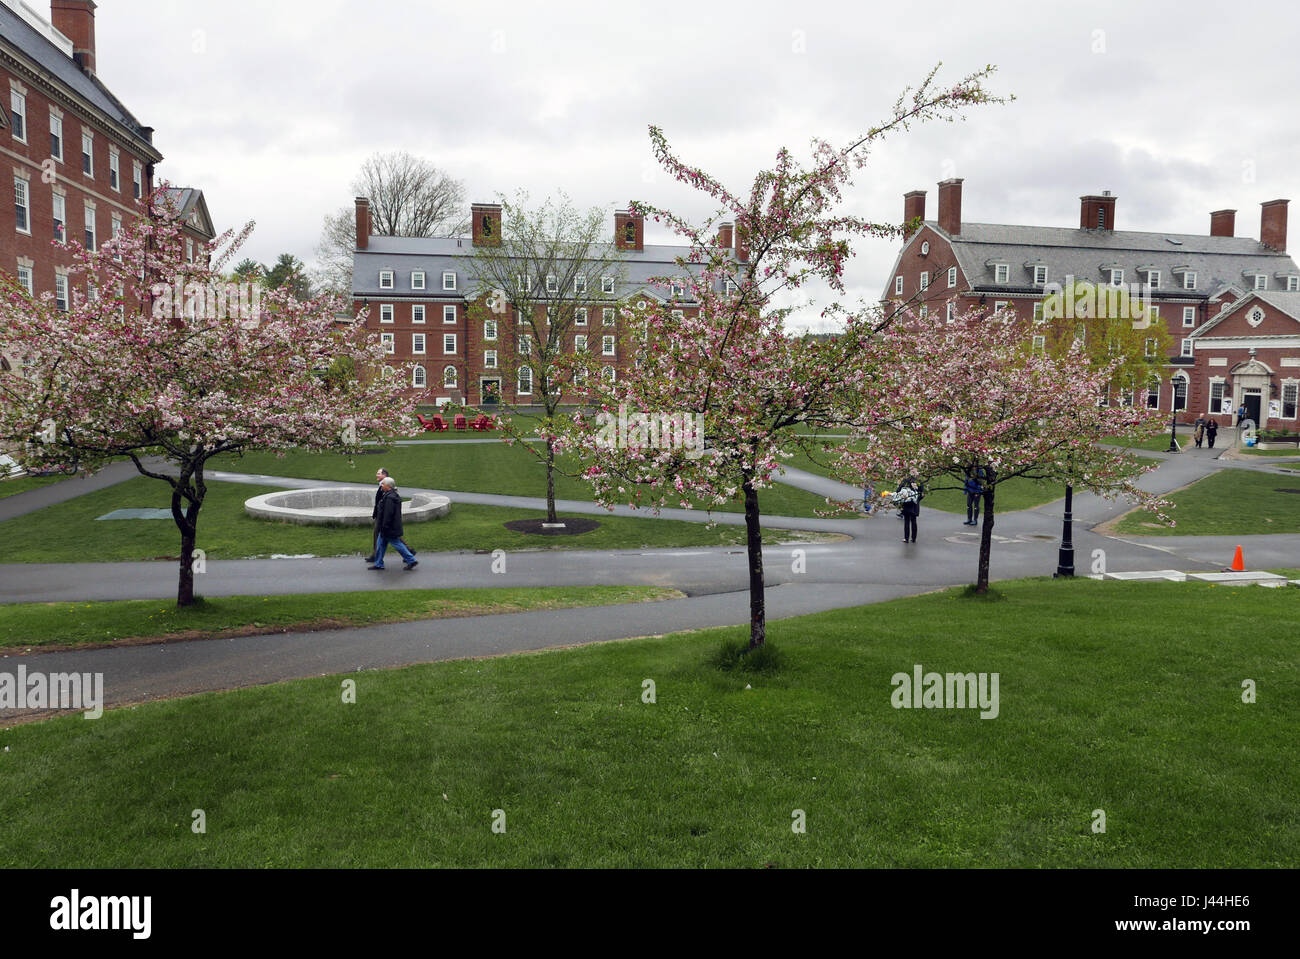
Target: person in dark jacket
{"type": "Point", "coordinates": [910, 495]}
{"type": "Point", "coordinates": [974, 493]}
{"type": "Point", "coordinates": [1211, 431]}
{"type": "Point", "coordinates": [374, 515]}
{"type": "Point", "coordinates": [390, 527]}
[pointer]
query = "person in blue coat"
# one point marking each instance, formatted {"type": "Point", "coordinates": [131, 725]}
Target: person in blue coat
{"type": "Point", "coordinates": [974, 494]}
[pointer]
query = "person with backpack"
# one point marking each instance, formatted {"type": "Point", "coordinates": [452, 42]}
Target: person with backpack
{"type": "Point", "coordinates": [909, 496]}
{"type": "Point", "coordinates": [974, 493]}
{"type": "Point", "coordinates": [390, 527]}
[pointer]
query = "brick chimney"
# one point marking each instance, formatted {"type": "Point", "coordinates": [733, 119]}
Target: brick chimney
{"type": "Point", "coordinates": [1223, 223]}
{"type": "Point", "coordinates": [485, 221]}
{"type": "Point", "coordinates": [742, 243]}
{"type": "Point", "coordinates": [363, 223]}
{"type": "Point", "coordinates": [1272, 224]}
{"type": "Point", "coordinates": [913, 209]}
{"type": "Point", "coordinates": [1097, 212]}
{"type": "Point", "coordinates": [629, 230]}
{"type": "Point", "coordinates": [950, 206]}
{"type": "Point", "coordinates": [75, 19]}
{"type": "Point", "coordinates": [725, 236]}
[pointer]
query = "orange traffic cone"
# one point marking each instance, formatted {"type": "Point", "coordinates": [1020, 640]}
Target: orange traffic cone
{"type": "Point", "coordinates": [1238, 564]}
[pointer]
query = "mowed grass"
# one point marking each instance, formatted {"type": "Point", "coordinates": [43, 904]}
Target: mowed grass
{"type": "Point", "coordinates": [32, 625]}
{"type": "Point", "coordinates": [69, 532]}
{"type": "Point", "coordinates": [1229, 502]}
{"type": "Point", "coordinates": [1146, 724]}
{"type": "Point", "coordinates": [13, 485]}
{"type": "Point", "coordinates": [472, 467]}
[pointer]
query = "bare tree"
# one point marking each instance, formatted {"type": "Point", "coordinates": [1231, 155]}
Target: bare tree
{"type": "Point", "coordinates": [547, 282]}
{"type": "Point", "coordinates": [408, 196]}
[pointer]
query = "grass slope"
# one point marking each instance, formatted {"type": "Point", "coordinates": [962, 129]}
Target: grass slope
{"type": "Point", "coordinates": [1229, 502]}
{"type": "Point", "coordinates": [1145, 722]}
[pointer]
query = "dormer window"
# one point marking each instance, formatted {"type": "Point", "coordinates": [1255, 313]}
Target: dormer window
{"type": "Point", "coordinates": [1189, 280]}
{"type": "Point", "coordinates": [552, 283]}
{"type": "Point", "coordinates": [385, 279]}
{"type": "Point", "coordinates": [417, 279]}
{"type": "Point", "coordinates": [678, 289]}
{"type": "Point", "coordinates": [1261, 281]}
{"type": "Point", "coordinates": [1040, 275]}
{"type": "Point", "coordinates": [606, 284]}
{"type": "Point", "coordinates": [523, 283]}
{"type": "Point", "coordinates": [1116, 277]}
{"type": "Point", "coordinates": [449, 280]}
{"type": "Point", "coordinates": [1001, 272]}
{"type": "Point", "coordinates": [579, 284]}
{"type": "Point", "coordinates": [1293, 284]}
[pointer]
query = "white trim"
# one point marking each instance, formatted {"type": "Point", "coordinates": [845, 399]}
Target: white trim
{"type": "Point", "coordinates": [420, 307]}
{"type": "Point", "coordinates": [449, 338]}
{"type": "Point", "coordinates": [449, 313]}
{"type": "Point", "coordinates": [390, 313]}
{"type": "Point", "coordinates": [414, 275]}
{"type": "Point", "coordinates": [952, 277]}
{"type": "Point", "coordinates": [417, 344]}
{"type": "Point", "coordinates": [448, 280]}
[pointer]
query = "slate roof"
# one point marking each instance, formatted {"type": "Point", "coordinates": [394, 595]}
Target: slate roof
{"type": "Point", "coordinates": [434, 255]}
{"type": "Point", "coordinates": [1218, 261]}
{"type": "Point", "coordinates": [49, 59]}
{"type": "Point", "coordinates": [189, 201]}
{"type": "Point", "coordinates": [1286, 302]}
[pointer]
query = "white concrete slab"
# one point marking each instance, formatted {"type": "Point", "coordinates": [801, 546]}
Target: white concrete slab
{"type": "Point", "coordinates": [1233, 578]}
{"type": "Point", "coordinates": [1169, 575]}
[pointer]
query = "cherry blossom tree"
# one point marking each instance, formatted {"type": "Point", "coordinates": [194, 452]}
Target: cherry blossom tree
{"type": "Point", "coordinates": [974, 393]}
{"type": "Point", "coordinates": [718, 364]}
{"type": "Point", "coordinates": [160, 359]}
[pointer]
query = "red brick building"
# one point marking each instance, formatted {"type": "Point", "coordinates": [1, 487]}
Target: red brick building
{"type": "Point", "coordinates": [419, 289]}
{"type": "Point", "coordinates": [1230, 303]}
{"type": "Point", "coordinates": [78, 160]}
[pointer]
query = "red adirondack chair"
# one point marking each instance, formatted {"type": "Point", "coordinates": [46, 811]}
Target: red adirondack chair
{"type": "Point", "coordinates": [483, 423]}
{"type": "Point", "coordinates": [460, 422]}
{"type": "Point", "coordinates": [439, 425]}
{"type": "Point", "coordinates": [429, 425]}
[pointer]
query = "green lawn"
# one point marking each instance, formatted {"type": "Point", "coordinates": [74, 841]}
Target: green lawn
{"type": "Point", "coordinates": [21, 484]}
{"type": "Point", "coordinates": [1147, 725]}
{"type": "Point", "coordinates": [28, 625]}
{"type": "Point", "coordinates": [1229, 502]}
{"type": "Point", "coordinates": [1254, 452]}
{"type": "Point", "coordinates": [1012, 495]}
{"type": "Point", "coordinates": [69, 531]}
{"type": "Point", "coordinates": [473, 467]}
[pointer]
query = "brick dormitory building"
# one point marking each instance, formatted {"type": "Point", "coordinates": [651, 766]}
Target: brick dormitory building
{"type": "Point", "coordinates": [80, 162]}
{"type": "Point", "coordinates": [1230, 303]}
{"type": "Point", "coordinates": [418, 291]}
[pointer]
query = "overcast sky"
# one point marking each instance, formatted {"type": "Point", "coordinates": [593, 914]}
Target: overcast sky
{"type": "Point", "coordinates": [269, 106]}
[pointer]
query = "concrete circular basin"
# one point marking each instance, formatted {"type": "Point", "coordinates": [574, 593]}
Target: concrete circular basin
{"type": "Point", "coordinates": [339, 506]}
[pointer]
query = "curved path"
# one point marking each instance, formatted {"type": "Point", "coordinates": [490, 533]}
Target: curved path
{"type": "Point", "coordinates": [870, 566]}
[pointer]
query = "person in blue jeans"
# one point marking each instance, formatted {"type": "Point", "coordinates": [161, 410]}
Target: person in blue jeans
{"type": "Point", "coordinates": [390, 527]}
{"type": "Point", "coordinates": [974, 493]}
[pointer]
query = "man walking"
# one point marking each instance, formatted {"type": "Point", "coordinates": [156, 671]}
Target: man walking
{"type": "Point", "coordinates": [974, 493]}
{"type": "Point", "coordinates": [374, 515]}
{"type": "Point", "coordinates": [390, 527]}
{"type": "Point", "coordinates": [1211, 431]}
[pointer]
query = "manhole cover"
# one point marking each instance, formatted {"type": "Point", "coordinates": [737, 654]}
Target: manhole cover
{"type": "Point", "coordinates": [1286, 491]}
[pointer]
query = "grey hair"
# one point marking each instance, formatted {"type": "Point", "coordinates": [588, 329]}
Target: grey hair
{"type": "Point", "coordinates": [388, 482]}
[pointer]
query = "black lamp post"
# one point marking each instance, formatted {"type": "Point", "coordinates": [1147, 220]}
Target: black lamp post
{"type": "Point", "coordinates": [1065, 556]}
{"type": "Point", "coordinates": [1173, 429]}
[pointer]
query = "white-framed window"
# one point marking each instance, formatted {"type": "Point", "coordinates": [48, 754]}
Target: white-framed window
{"type": "Point", "coordinates": [1261, 281]}
{"type": "Point", "coordinates": [1001, 272]}
{"type": "Point", "coordinates": [417, 279]}
{"type": "Point", "coordinates": [87, 154]}
{"type": "Point", "coordinates": [18, 115]}
{"type": "Point", "coordinates": [114, 169]}
{"type": "Point", "coordinates": [580, 316]}
{"type": "Point", "coordinates": [1153, 394]}
{"type": "Point", "coordinates": [1189, 316]}
{"type": "Point", "coordinates": [579, 284]}
{"type": "Point", "coordinates": [607, 346]}
{"type": "Point", "coordinates": [640, 304]}
{"type": "Point", "coordinates": [137, 178]}
{"type": "Point", "coordinates": [60, 218]}
{"type": "Point", "coordinates": [524, 381]}
{"type": "Point", "coordinates": [22, 205]}
{"type": "Point", "coordinates": [1185, 348]}
{"type": "Point", "coordinates": [950, 311]}
{"type": "Point", "coordinates": [1149, 348]}
{"type": "Point", "coordinates": [999, 305]}
{"type": "Point", "coordinates": [677, 289]}
{"type": "Point", "coordinates": [1040, 343]}
{"type": "Point", "coordinates": [1217, 389]}
{"type": "Point", "coordinates": [925, 279]}
{"type": "Point", "coordinates": [1116, 277]}
{"type": "Point", "coordinates": [449, 379]}
{"type": "Point", "coordinates": [606, 284]}
{"type": "Point", "coordinates": [61, 290]}
{"type": "Point", "coordinates": [1038, 313]}
{"type": "Point", "coordinates": [1290, 399]}
{"type": "Point", "coordinates": [898, 286]}
{"type": "Point", "coordinates": [1155, 313]}
{"type": "Point", "coordinates": [417, 342]}
{"type": "Point", "coordinates": [952, 277]}
{"type": "Point", "coordinates": [56, 137]}
{"type": "Point", "coordinates": [25, 279]}
{"type": "Point", "coordinates": [418, 377]}
{"type": "Point", "coordinates": [385, 312]}
{"type": "Point", "coordinates": [1179, 392]}
{"type": "Point", "coordinates": [417, 313]}
{"type": "Point", "coordinates": [1040, 275]}
{"type": "Point", "coordinates": [1153, 279]}
{"type": "Point", "coordinates": [117, 228]}
{"type": "Point", "coordinates": [448, 280]}
{"type": "Point", "coordinates": [489, 329]}
{"type": "Point", "coordinates": [525, 345]}
{"type": "Point", "coordinates": [1189, 280]}
{"type": "Point", "coordinates": [389, 341]}
{"type": "Point", "coordinates": [448, 343]}
{"type": "Point", "coordinates": [678, 315]}
{"type": "Point", "coordinates": [1293, 284]}
{"type": "Point", "coordinates": [91, 237]}
{"type": "Point", "coordinates": [925, 311]}
{"type": "Point", "coordinates": [385, 279]}
{"type": "Point", "coordinates": [449, 314]}
{"type": "Point", "coordinates": [729, 286]}
{"type": "Point", "coordinates": [489, 359]}
{"type": "Point", "coordinates": [607, 316]}
{"type": "Point", "coordinates": [523, 283]}
{"type": "Point", "coordinates": [552, 283]}
{"type": "Point", "coordinates": [579, 343]}
{"type": "Point", "coordinates": [608, 374]}
{"type": "Point", "coordinates": [189, 250]}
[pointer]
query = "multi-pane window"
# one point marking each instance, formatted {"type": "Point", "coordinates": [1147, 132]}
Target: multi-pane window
{"type": "Point", "coordinates": [1189, 280]}
{"type": "Point", "coordinates": [385, 279]}
{"type": "Point", "coordinates": [61, 290]}
{"type": "Point", "coordinates": [60, 218]}
{"type": "Point", "coordinates": [1261, 281]}
{"type": "Point", "coordinates": [114, 169]}
{"type": "Point", "coordinates": [1293, 284]}
{"type": "Point", "coordinates": [417, 313]}
{"type": "Point", "coordinates": [999, 305]}
{"type": "Point", "coordinates": [1290, 400]}
{"type": "Point", "coordinates": [1116, 277]}
{"type": "Point", "coordinates": [189, 250]}
{"type": "Point", "coordinates": [951, 311]}
{"type": "Point", "coordinates": [952, 277]}
{"type": "Point", "coordinates": [385, 313]}
{"type": "Point", "coordinates": [22, 205]}
{"type": "Point", "coordinates": [489, 359]}
{"type": "Point", "coordinates": [417, 279]}
{"type": "Point", "coordinates": [607, 345]}
{"type": "Point", "coordinates": [898, 286]}
{"type": "Point", "coordinates": [1153, 279]}
{"type": "Point", "coordinates": [449, 314]}
{"type": "Point", "coordinates": [607, 316]}
{"type": "Point", "coordinates": [678, 289]}
{"type": "Point", "coordinates": [389, 343]}
{"type": "Point", "coordinates": [18, 115]}
{"type": "Point", "coordinates": [449, 377]}
{"type": "Point", "coordinates": [579, 343]}
{"type": "Point", "coordinates": [117, 228]}
{"type": "Point", "coordinates": [580, 316]}
{"type": "Point", "coordinates": [1149, 348]}
{"type": "Point", "coordinates": [1153, 394]}
{"type": "Point", "coordinates": [1180, 393]}
{"type": "Point", "coordinates": [90, 232]}
{"type": "Point", "coordinates": [925, 280]}
{"type": "Point", "coordinates": [525, 345]}
{"type": "Point", "coordinates": [729, 286]}
{"type": "Point", "coordinates": [524, 385]}
{"type": "Point", "coordinates": [1040, 342]}
{"type": "Point", "coordinates": [1001, 272]}
{"type": "Point", "coordinates": [56, 137]}
{"type": "Point", "coordinates": [552, 283]}
{"type": "Point", "coordinates": [417, 342]}
{"type": "Point", "coordinates": [1038, 313]}
{"type": "Point", "coordinates": [418, 377]}
{"type": "Point", "coordinates": [137, 178]}
{"type": "Point", "coordinates": [87, 154]}
{"type": "Point", "coordinates": [1217, 388]}
{"type": "Point", "coordinates": [607, 284]}
{"type": "Point", "coordinates": [579, 284]}
{"type": "Point", "coordinates": [448, 280]}
{"type": "Point", "coordinates": [25, 279]}
{"type": "Point", "coordinates": [1186, 348]}
{"type": "Point", "coordinates": [449, 343]}
{"type": "Point", "coordinates": [489, 329]}
{"type": "Point", "coordinates": [1189, 316]}
{"type": "Point", "coordinates": [1155, 314]}
{"type": "Point", "coordinates": [523, 283]}
{"type": "Point", "coordinates": [1040, 275]}
{"type": "Point", "coordinates": [607, 373]}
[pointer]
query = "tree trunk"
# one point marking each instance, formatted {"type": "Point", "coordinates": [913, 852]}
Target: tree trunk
{"type": "Point", "coordinates": [550, 480]}
{"type": "Point", "coordinates": [986, 540]}
{"type": "Point", "coordinates": [754, 546]}
{"type": "Point", "coordinates": [189, 486]}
